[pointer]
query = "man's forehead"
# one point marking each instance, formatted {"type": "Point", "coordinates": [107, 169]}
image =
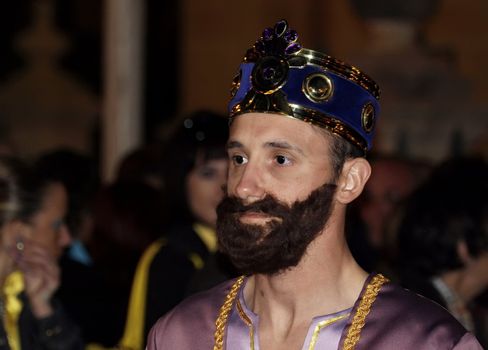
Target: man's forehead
{"type": "Point", "coordinates": [267, 122]}
{"type": "Point", "coordinates": [282, 131]}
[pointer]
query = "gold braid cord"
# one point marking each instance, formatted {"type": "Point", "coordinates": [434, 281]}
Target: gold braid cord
{"type": "Point", "coordinates": [363, 310]}
{"type": "Point", "coordinates": [221, 321]}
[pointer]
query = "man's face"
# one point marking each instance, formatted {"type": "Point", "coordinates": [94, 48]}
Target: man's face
{"type": "Point", "coordinates": [279, 192]}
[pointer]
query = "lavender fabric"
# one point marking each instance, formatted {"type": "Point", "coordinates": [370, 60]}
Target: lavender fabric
{"type": "Point", "coordinates": [398, 320]}
{"type": "Point", "coordinates": [238, 333]}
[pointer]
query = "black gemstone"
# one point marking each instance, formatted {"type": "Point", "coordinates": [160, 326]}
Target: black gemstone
{"type": "Point", "coordinates": [291, 36]}
{"type": "Point", "coordinates": [268, 34]}
{"type": "Point", "coordinates": [280, 28]}
{"type": "Point", "coordinates": [259, 46]}
{"type": "Point", "coordinates": [269, 73]}
{"type": "Point", "coordinates": [293, 48]}
{"type": "Point", "coordinates": [251, 55]}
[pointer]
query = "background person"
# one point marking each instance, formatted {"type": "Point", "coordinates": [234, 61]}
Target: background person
{"type": "Point", "coordinates": [80, 283]}
{"type": "Point", "coordinates": [127, 217]}
{"type": "Point", "coordinates": [443, 241]}
{"type": "Point", "coordinates": [33, 236]}
{"type": "Point", "coordinates": [185, 260]}
{"type": "Point", "coordinates": [371, 218]}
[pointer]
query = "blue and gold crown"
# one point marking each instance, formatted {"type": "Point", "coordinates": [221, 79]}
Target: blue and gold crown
{"type": "Point", "coordinates": [278, 76]}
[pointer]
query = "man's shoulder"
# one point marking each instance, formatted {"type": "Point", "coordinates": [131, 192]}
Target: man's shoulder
{"type": "Point", "coordinates": [395, 300]}
{"type": "Point", "coordinates": [194, 318]}
{"type": "Point", "coordinates": [401, 319]}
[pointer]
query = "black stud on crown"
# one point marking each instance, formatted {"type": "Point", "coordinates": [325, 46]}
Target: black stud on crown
{"type": "Point", "coordinates": [279, 41]}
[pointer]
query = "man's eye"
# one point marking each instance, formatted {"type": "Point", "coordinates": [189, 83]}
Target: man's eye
{"type": "Point", "coordinates": [282, 160]}
{"type": "Point", "coordinates": [239, 160]}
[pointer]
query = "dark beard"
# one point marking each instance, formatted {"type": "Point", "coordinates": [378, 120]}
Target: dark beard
{"type": "Point", "coordinates": [281, 243]}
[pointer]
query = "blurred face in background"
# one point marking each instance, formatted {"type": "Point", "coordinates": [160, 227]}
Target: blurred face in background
{"type": "Point", "coordinates": [204, 186]}
{"type": "Point", "coordinates": [48, 227]}
{"type": "Point", "coordinates": [391, 182]}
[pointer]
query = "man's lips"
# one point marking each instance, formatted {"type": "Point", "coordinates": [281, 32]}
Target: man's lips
{"type": "Point", "coordinates": [254, 214]}
{"type": "Point", "coordinates": [255, 217]}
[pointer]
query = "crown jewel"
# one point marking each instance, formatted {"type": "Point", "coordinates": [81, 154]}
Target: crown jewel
{"type": "Point", "coordinates": [279, 76]}
{"type": "Point", "coordinates": [279, 41]}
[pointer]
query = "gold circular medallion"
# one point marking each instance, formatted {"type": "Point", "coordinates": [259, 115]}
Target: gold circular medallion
{"type": "Point", "coordinates": [368, 117]}
{"type": "Point", "coordinates": [317, 87]}
{"type": "Point", "coordinates": [269, 74]}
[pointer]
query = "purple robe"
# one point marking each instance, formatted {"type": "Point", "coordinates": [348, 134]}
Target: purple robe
{"type": "Point", "coordinates": [398, 320]}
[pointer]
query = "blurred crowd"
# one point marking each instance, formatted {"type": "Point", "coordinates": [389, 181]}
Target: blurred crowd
{"type": "Point", "coordinates": [86, 265]}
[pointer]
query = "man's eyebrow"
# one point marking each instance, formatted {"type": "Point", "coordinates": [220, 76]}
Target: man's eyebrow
{"type": "Point", "coordinates": [271, 144]}
{"type": "Point", "coordinates": [283, 145]}
{"type": "Point", "coordinates": [234, 144]}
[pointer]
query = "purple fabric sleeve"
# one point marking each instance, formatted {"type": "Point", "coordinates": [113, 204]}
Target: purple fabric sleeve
{"type": "Point", "coordinates": [402, 320]}
{"type": "Point", "coordinates": [468, 342]}
{"type": "Point", "coordinates": [191, 324]}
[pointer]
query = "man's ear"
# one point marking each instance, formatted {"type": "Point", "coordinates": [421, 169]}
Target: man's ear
{"type": "Point", "coordinates": [355, 173]}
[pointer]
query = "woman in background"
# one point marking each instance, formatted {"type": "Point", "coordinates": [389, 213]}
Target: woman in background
{"type": "Point", "coordinates": [32, 238]}
{"type": "Point", "coordinates": [443, 241]}
{"type": "Point", "coordinates": [186, 259]}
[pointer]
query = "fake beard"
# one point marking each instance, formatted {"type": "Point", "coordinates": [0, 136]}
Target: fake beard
{"type": "Point", "coordinates": [281, 242]}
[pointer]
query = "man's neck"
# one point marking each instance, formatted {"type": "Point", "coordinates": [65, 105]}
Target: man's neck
{"type": "Point", "coordinates": [326, 280]}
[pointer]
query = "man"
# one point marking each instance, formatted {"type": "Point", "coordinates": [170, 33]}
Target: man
{"type": "Point", "coordinates": [300, 123]}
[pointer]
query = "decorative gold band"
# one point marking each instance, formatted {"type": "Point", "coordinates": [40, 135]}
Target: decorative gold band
{"type": "Point", "coordinates": [341, 68]}
{"type": "Point", "coordinates": [311, 116]}
{"type": "Point", "coordinates": [359, 319]}
{"type": "Point", "coordinates": [335, 126]}
{"type": "Point", "coordinates": [221, 321]}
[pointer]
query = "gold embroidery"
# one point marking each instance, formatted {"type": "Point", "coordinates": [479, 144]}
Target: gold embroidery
{"type": "Point", "coordinates": [363, 310]}
{"type": "Point", "coordinates": [247, 321]}
{"type": "Point", "coordinates": [221, 321]}
{"type": "Point", "coordinates": [322, 325]}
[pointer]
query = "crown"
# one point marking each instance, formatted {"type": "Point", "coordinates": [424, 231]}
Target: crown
{"type": "Point", "coordinates": [279, 76]}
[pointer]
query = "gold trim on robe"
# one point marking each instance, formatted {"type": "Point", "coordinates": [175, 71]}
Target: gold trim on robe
{"type": "Point", "coordinates": [353, 333]}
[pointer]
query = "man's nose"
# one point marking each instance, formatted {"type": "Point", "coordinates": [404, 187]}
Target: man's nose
{"type": "Point", "coordinates": [249, 186]}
